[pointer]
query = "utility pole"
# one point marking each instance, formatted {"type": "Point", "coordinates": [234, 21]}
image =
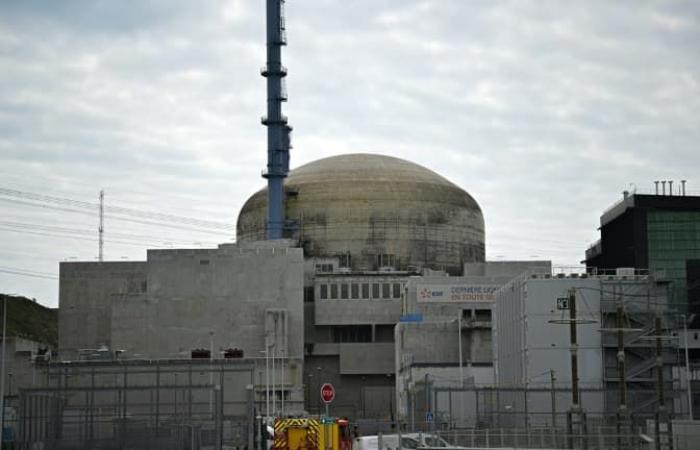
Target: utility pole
{"type": "Point", "coordinates": [575, 398]}
{"type": "Point", "coordinates": [553, 379]}
{"type": "Point", "coordinates": [661, 409]}
{"type": "Point", "coordinates": [622, 407]}
{"type": "Point", "coordinates": [573, 338]}
{"type": "Point", "coordinates": [101, 229]}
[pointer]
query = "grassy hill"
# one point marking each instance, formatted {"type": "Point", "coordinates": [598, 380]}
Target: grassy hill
{"type": "Point", "coordinates": [30, 320]}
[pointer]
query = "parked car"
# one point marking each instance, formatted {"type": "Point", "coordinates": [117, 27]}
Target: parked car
{"type": "Point", "coordinates": [409, 441]}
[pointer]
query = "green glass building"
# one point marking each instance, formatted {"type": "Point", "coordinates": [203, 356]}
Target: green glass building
{"type": "Point", "coordinates": [660, 233]}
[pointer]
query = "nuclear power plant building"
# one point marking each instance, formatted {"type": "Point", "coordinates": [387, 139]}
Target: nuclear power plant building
{"type": "Point", "coordinates": [361, 232]}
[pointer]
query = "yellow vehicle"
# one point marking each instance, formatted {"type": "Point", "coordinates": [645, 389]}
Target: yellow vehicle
{"type": "Point", "coordinates": [312, 434]}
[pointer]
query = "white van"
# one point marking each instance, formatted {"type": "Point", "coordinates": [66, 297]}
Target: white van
{"type": "Point", "coordinates": [409, 441]}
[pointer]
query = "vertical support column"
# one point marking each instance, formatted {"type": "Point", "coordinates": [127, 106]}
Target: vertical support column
{"type": "Point", "coordinates": [250, 391]}
{"type": "Point", "coordinates": [277, 129]}
{"type": "Point", "coordinates": [101, 229]}
{"type": "Point", "coordinates": [573, 338]}
{"type": "Point", "coordinates": [552, 380]}
{"type": "Point", "coordinates": [622, 407]}
{"type": "Point", "coordinates": [661, 408]}
{"type": "Point", "coordinates": [157, 399]}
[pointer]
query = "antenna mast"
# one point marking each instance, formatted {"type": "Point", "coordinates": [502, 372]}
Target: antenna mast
{"type": "Point", "coordinates": [101, 229]}
{"type": "Point", "coordinates": [278, 132]}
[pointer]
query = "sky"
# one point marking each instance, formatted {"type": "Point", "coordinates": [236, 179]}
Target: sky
{"type": "Point", "coordinates": [544, 111]}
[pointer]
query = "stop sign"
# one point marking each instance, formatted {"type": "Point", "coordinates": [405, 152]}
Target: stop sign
{"type": "Point", "coordinates": [327, 392]}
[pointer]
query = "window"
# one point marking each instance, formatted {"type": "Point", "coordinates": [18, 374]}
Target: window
{"type": "Point", "coordinates": [365, 290]}
{"type": "Point", "coordinates": [334, 291]}
{"type": "Point", "coordinates": [385, 260]}
{"type": "Point", "coordinates": [383, 333]}
{"type": "Point", "coordinates": [344, 290]}
{"type": "Point", "coordinates": [344, 260]}
{"type": "Point", "coordinates": [355, 290]}
{"type": "Point", "coordinates": [386, 290]}
{"type": "Point", "coordinates": [352, 333]}
{"type": "Point", "coordinates": [324, 268]}
{"type": "Point", "coordinates": [397, 290]}
{"type": "Point", "coordinates": [483, 315]}
{"type": "Point", "coordinates": [324, 291]}
{"type": "Point", "coordinates": [375, 290]}
{"type": "Point", "coordinates": [309, 294]}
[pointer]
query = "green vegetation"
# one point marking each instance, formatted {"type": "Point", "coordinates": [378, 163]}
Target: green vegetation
{"type": "Point", "coordinates": [28, 319]}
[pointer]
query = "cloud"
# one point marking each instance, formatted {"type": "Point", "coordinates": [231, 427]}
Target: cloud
{"type": "Point", "coordinates": [543, 111]}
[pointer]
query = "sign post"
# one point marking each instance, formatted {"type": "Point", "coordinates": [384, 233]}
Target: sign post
{"type": "Point", "coordinates": [327, 395]}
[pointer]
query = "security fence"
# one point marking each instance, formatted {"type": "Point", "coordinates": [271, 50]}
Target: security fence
{"type": "Point", "coordinates": [164, 404]}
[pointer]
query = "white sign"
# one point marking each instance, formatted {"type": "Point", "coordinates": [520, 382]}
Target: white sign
{"type": "Point", "coordinates": [457, 293]}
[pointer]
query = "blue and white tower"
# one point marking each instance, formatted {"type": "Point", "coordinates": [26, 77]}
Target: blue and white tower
{"type": "Point", "coordinates": [278, 132]}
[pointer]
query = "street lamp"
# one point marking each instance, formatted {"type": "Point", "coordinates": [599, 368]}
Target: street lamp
{"type": "Point", "coordinates": [267, 384]}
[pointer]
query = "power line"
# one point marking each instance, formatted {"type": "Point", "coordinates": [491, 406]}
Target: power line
{"type": "Point", "coordinates": [28, 273]}
{"type": "Point", "coordinates": [116, 210]}
{"type": "Point", "coordinates": [80, 238]}
{"type": "Point", "coordinates": [22, 226]}
{"type": "Point", "coordinates": [124, 219]}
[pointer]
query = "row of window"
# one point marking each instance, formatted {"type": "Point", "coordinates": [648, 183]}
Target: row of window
{"type": "Point", "coordinates": [345, 261]}
{"type": "Point", "coordinates": [363, 291]}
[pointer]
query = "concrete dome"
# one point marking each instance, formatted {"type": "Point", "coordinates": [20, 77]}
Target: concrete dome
{"type": "Point", "coordinates": [383, 211]}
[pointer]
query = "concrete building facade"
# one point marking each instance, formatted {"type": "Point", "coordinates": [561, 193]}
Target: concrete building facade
{"type": "Point", "coordinates": [180, 302]}
{"type": "Point", "coordinates": [444, 347]}
{"type": "Point", "coordinates": [533, 352]}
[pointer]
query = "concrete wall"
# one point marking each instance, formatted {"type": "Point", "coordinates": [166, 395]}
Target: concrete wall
{"type": "Point", "coordinates": [172, 303]}
{"type": "Point", "coordinates": [509, 269]}
{"type": "Point", "coordinates": [366, 358]}
{"type": "Point", "coordinates": [246, 297]}
{"type": "Point", "coordinates": [231, 292]}
{"type": "Point", "coordinates": [362, 395]}
{"type": "Point", "coordinates": [86, 293]}
{"type": "Point", "coordinates": [451, 402]}
{"type": "Point", "coordinates": [369, 309]}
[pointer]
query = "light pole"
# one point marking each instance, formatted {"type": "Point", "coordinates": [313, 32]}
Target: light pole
{"type": "Point", "coordinates": [273, 347]}
{"type": "Point", "coordinates": [267, 384]}
{"type": "Point", "coordinates": [282, 389]}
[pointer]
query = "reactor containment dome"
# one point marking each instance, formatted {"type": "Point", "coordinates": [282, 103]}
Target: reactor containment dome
{"type": "Point", "coordinates": [374, 213]}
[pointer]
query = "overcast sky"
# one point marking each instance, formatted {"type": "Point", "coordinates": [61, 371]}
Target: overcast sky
{"type": "Point", "coordinates": [544, 111]}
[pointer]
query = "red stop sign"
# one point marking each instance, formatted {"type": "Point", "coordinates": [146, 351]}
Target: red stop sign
{"type": "Point", "coordinates": [327, 392]}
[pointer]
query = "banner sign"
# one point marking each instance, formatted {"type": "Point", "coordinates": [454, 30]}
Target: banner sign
{"type": "Point", "coordinates": [457, 293]}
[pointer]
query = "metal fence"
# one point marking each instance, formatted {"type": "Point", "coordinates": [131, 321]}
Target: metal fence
{"type": "Point", "coordinates": [177, 404]}
{"type": "Point", "coordinates": [596, 436]}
